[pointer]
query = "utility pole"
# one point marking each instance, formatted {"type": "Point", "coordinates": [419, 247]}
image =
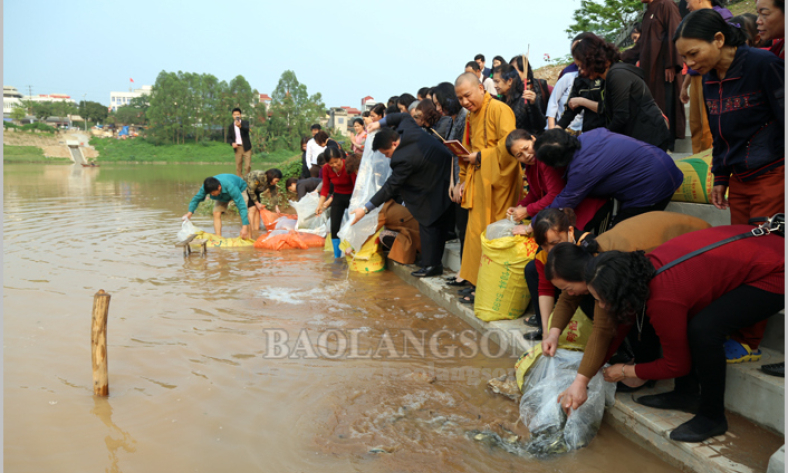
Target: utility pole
{"type": "Point", "coordinates": [30, 98]}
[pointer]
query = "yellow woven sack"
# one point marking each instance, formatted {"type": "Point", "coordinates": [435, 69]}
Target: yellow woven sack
{"type": "Point", "coordinates": [698, 179]}
{"type": "Point", "coordinates": [221, 242]}
{"type": "Point", "coordinates": [574, 337]}
{"type": "Point", "coordinates": [501, 292]}
{"type": "Point", "coordinates": [369, 259]}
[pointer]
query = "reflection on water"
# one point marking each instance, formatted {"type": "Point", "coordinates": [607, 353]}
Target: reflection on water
{"type": "Point", "coordinates": [191, 389]}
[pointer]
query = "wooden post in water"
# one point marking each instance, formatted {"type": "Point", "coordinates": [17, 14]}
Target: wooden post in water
{"type": "Point", "coordinates": [98, 343]}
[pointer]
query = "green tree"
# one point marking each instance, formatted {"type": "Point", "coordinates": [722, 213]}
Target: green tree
{"type": "Point", "coordinates": [293, 110]}
{"type": "Point", "coordinates": [128, 115]}
{"type": "Point", "coordinates": [92, 111]}
{"type": "Point", "coordinates": [609, 19]}
{"type": "Point", "coordinates": [18, 113]}
{"type": "Point", "coordinates": [42, 110]}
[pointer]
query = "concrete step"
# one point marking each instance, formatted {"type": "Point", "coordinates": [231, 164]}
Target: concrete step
{"type": "Point", "coordinates": [707, 212]}
{"type": "Point", "coordinates": [745, 448]}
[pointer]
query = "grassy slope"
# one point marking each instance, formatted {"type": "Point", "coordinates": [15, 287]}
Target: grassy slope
{"type": "Point", "coordinates": [745, 6]}
{"type": "Point", "coordinates": [29, 154]}
{"type": "Point", "coordinates": [113, 150]}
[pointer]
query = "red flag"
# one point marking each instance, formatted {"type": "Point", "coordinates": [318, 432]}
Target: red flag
{"type": "Point", "coordinates": [132, 80]}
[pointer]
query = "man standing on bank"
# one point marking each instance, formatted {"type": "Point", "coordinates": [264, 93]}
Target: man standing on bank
{"type": "Point", "coordinates": [420, 167]}
{"type": "Point", "coordinates": [238, 137]}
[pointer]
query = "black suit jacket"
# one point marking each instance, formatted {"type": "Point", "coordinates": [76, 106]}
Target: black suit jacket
{"type": "Point", "coordinates": [420, 168]}
{"type": "Point", "coordinates": [244, 134]}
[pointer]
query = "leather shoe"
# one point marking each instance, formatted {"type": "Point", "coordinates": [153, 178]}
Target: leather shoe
{"type": "Point", "coordinates": [428, 271]}
{"type": "Point", "coordinates": [671, 400]}
{"type": "Point", "coordinates": [698, 429]}
{"type": "Point", "coordinates": [532, 321]}
{"type": "Point", "coordinates": [623, 388]}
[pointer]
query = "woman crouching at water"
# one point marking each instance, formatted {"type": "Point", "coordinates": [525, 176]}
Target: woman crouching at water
{"type": "Point", "coordinates": [692, 306]}
{"type": "Point", "coordinates": [563, 269]}
{"type": "Point", "coordinates": [343, 180]}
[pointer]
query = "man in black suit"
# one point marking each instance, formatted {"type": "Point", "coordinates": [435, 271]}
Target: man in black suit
{"type": "Point", "coordinates": [420, 169]}
{"type": "Point", "coordinates": [238, 136]}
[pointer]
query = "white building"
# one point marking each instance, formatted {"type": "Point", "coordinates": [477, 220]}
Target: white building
{"type": "Point", "coordinates": [11, 99]}
{"type": "Point", "coordinates": [119, 99]}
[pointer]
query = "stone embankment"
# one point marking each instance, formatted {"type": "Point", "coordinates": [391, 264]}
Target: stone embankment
{"type": "Point", "coordinates": [53, 146]}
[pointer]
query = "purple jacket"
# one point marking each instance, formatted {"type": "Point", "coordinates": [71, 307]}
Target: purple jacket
{"type": "Point", "coordinates": [636, 174]}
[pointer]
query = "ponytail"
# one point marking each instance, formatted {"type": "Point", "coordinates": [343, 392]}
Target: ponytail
{"type": "Point", "coordinates": [704, 24]}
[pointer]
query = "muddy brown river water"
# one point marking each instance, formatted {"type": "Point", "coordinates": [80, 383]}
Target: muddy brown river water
{"type": "Point", "coordinates": [192, 385]}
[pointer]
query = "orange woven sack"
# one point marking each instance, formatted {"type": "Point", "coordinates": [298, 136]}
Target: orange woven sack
{"type": "Point", "coordinates": [290, 240]}
{"type": "Point", "coordinates": [270, 218]}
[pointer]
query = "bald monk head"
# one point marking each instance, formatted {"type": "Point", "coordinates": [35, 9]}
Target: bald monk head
{"type": "Point", "coordinates": [470, 91]}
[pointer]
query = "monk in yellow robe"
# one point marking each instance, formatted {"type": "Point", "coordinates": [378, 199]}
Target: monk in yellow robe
{"type": "Point", "coordinates": [491, 177]}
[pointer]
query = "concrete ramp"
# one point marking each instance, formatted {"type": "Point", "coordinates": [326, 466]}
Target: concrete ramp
{"type": "Point", "coordinates": [76, 155]}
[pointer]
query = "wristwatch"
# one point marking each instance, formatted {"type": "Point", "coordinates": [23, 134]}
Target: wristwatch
{"type": "Point", "coordinates": [366, 210]}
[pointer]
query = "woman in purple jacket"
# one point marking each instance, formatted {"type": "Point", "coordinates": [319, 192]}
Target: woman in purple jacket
{"type": "Point", "coordinates": [599, 163]}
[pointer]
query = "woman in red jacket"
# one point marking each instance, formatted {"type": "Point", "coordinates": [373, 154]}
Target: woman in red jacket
{"type": "Point", "coordinates": [692, 306]}
{"type": "Point", "coordinates": [335, 173]}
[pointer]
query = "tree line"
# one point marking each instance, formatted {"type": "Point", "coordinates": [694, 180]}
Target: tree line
{"type": "Point", "coordinates": [188, 107]}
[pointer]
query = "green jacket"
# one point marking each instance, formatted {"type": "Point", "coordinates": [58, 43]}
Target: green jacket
{"type": "Point", "coordinates": [232, 189]}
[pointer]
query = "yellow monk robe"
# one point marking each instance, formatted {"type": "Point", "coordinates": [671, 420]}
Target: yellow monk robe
{"type": "Point", "coordinates": [492, 187]}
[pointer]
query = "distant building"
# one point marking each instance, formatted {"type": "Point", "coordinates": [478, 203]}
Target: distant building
{"type": "Point", "coordinates": [11, 99]}
{"type": "Point", "coordinates": [266, 99]}
{"type": "Point", "coordinates": [367, 103]}
{"type": "Point", "coordinates": [338, 119]}
{"type": "Point", "coordinates": [119, 99]}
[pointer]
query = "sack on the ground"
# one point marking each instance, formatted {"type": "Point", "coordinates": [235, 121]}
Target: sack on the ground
{"type": "Point", "coordinates": [552, 431]}
{"type": "Point", "coordinates": [367, 260]}
{"type": "Point", "coordinates": [501, 292]}
{"type": "Point", "coordinates": [698, 179]}
{"type": "Point", "coordinates": [574, 337]}
{"type": "Point", "coordinates": [500, 229]}
{"type": "Point", "coordinates": [187, 229]}
{"type": "Point", "coordinates": [278, 240]}
{"type": "Point", "coordinates": [221, 242]}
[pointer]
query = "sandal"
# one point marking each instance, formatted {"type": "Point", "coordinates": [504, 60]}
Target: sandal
{"type": "Point", "coordinates": [736, 352]}
{"type": "Point", "coordinates": [467, 299]}
{"type": "Point", "coordinates": [466, 292]}
{"type": "Point", "coordinates": [456, 283]}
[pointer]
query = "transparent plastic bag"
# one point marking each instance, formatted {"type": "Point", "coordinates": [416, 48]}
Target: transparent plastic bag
{"type": "Point", "coordinates": [500, 229]}
{"type": "Point", "coordinates": [307, 220]}
{"type": "Point", "coordinates": [372, 173]}
{"type": "Point", "coordinates": [286, 224]}
{"type": "Point", "coordinates": [187, 229]}
{"type": "Point", "coordinates": [552, 431]}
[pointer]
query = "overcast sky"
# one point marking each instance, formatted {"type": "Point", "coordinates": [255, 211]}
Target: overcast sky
{"type": "Point", "coordinates": [343, 50]}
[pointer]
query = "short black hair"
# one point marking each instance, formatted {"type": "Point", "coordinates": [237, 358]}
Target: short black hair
{"type": "Point", "coordinates": [479, 57]}
{"type": "Point", "coordinates": [423, 92]}
{"type": "Point", "coordinates": [272, 174]}
{"type": "Point", "coordinates": [359, 121]}
{"type": "Point", "coordinates": [384, 139]}
{"type": "Point", "coordinates": [236, 109]}
{"type": "Point", "coordinates": [316, 126]}
{"type": "Point", "coordinates": [321, 137]}
{"type": "Point", "coordinates": [473, 65]}
{"type": "Point", "coordinates": [405, 100]}
{"type": "Point", "coordinates": [211, 184]}
{"type": "Point", "coordinates": [556, 148]}
{"type": "Point", "coordinates": [379, 109]}
{"type": "Point", "coordinates": [392, 109]}
{"type": "Point", "coordinates": [291, 181]}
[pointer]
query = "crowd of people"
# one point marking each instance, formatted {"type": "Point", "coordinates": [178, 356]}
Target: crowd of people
{"type": "Point", "coordinates": [592, 152]}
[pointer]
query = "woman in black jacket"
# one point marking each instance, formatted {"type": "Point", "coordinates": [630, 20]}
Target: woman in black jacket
{"type": "Point", "coordinates": [628, 107]}
{"type": "Point", "coordinates": [527, 114]}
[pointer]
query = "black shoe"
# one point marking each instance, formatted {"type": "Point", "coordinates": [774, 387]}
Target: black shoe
{"type": "Point", "coordinates": [698, 429]}
{"type": "Point", "coordinates": [623, 388]}
{"type": "Point", "coordinates": [535, 335]}
{"type": "Point", "coordinates": [428, 271]}
{"type": "Point", "coordinates": [467, 291]}
{"type": "Point", "coordinates": [671, 400]}
{"type": "Point", "coordinates": [776, 369]}
{"type": "Point", "coordinates": [533, 321]}
{"type": "Point", "coordinates": [455, 283]}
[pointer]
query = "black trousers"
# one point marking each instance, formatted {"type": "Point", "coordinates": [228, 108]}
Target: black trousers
{"type": "Point", "coordinates": [706, 332]}
{"type": "Point", "coordinates": [433, 239]}
{"type": "Point", "coordinates": [624, 214]}
{"type": "Point", "coordinates": [338, 206]}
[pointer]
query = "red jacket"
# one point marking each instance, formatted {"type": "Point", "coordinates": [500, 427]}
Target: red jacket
{"type": "Point", "coordinates": [681, 292]}
{"type": "Point", "coordinates": [343, 182]}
